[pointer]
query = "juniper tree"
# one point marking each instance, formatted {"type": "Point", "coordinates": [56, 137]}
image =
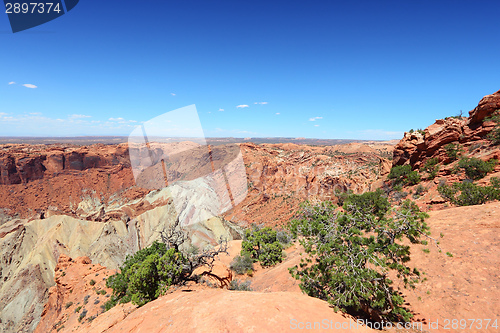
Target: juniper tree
{"type": "Point", "coordinates": [351, 252]}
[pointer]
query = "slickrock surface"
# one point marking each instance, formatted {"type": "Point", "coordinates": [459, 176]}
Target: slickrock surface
{"type": "Point", "coordinates": [464, 286]}
{"type": "Point", "coordinates": [194, 308]}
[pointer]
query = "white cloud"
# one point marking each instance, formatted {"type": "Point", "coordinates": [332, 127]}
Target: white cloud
{"type": "Point", "coordinates": [172, 94]}
{"type": "Point", "coordinates": [79, 116]}
{"type": "Point", "coordinates": [261, 103]}
{"type": "Point", "coordinates": [221, 110]}
{"type": "Point", "coordinates": [278, 113]}
{"type": "Point", "coordinates": [11, 82]}
{"type": "Point", "coordinates": [35, 113]}
{"type": "Point", "coordinates": [116, 119]}
{"type": "Point", "coordinates": [316, 125]}
{"type": "Point", "coordinates": [29, 85]}
{"type": "Point", "coordinates": [242, 106]}
{"type": "Point", "coordinates": [3, 113]}
{"type": "Point", "coordinates": [315, 118]}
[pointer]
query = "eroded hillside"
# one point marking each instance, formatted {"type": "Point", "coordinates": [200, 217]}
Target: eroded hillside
{"type": "Point", "coordinates": [82, 201]}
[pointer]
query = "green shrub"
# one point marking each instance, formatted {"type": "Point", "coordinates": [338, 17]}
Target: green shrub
{"type": "Point", "coordinates": [402, 174]}
{"type": "Point", "coordinates": [453, 151]}
{"type": "Point", "coordinates": [146, 275]}
{"type": "Point", "coordinates": [82, 315]}
{"type": "Point", "coordinates": [283, 237]}
{"type": "Point", "coordinates": [151, 271]}
{"type": "Point", "coordinates": [431, 166]}
{"type": "Point", "coordinates": [468, 194]}
{"type": "Point", "coordinates": [397, 188]}
{"type": "Point", "coordinates": [92, 282]}
{"type": "Point", "coordinates": [68, 304]}
{"type": "Point", "coordinates": [413, 178]}
{"type": "Point", "coordinates": [350, 254]}
{"type": "Point", "coordinates": [368, 203]}
{"type": "Point", "coordinates": [262, 245]}
{"type": "Point", "coordinates": [475, 168]}
{"type": "Point", "coordinates": [242, 286]}
{"type": "Point", "coordinates": [419, 190]}
{"type": "Point", "coordinates": [111, 303]}
{"type": "Point", "coordinates": [399, 171]}
{"type": "Point", "coordinates": [242, 264]}
{"type": "Point", "coordinates": [399, 195]}
{"type": "Point", "coordinates": [78, 309]}
{"type": "Point", "coordinates": [421, 131]}
{"type": "Point", "coordinates": [494, 135]}
{"type": "Point", "coordinates": [341, 196]}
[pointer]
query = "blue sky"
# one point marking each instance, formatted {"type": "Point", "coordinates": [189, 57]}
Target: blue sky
{"type": "Point", "coordinates": [316, 69]}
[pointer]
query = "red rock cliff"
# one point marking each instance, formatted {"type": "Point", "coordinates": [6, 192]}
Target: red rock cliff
{"type": "Point", "coordinates": [415, 148]}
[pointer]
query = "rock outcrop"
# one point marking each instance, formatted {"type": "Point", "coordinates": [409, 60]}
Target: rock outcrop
{"type": "Point", "coordinates": [82, 201]}
{"type": "Point", "coordinates": [464, 285]}
{"type": "Point", "coordinates": [281, 176]}
{"type": "Point", "coordinates": [274, 306]}
{"type": "Point", "coordinates": [415, 148]}
{"type": "Point", "coordinates": [20, 164]}
{"type": "Point", "coordinates": [29, 250]}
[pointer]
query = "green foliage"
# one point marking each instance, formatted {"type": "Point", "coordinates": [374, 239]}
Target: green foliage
{"type": "Point", "coordinates": [341, 196]}
{"type": "Point", "coordinates": [262, 245]}
{"type": "Point", "coordinates": [350, 254]}
{"type": "Point", "coordinates": [453, 151]}
{"type": "Point", "coordinates": [146, 275]}
{"type": "Point", "coordinates": [468, 194]}
{"type": "Point", "coordinates": [402, 174]}
{"type": "Point", "coordinates": [399, 171]}
{"type": "Point", "coordinates": [242, 286]}
{"type": "Point", "coordinates": [419, 190]}
{"type": "Point", "coordinates": [242, 264]}
{"type": "Point", "coordinates": [68, 304]}
{"type": "Point", "coordinates": [421, 131]}
{"type": "Point", "coordinates": [413, 178]}
{"type": "Point", "coordinates": [111, 303]}
{"type": "Point", "coordinates": [494, 135]}
{"type": "Point", "coordinates": [368, 203]}
{"type": "Point", "coordinates": [92, 282]}
{"type": "Point", "coordinates": [475, 168]}
{"type": "Point", "coordinates": [82, 315]}
{"type": "Point", "coordinates": [431, 166]}
{"type": "Point", "coordinates": [284, 237]}
{"type": "Point", "coordinates": [78, 309]}
{"type": "Point", "coordinates": [150, 272]}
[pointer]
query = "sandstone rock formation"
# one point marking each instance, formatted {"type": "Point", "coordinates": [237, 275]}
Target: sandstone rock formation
{"type": "Point", "coordinates": [29, 251]}
{"type": "Point", "coordinates": [192, 308]}
{"type": "Point", "coordinates": [82, 201]}
{"type": "Point", "coordinates": [281, 176]}
{"type": "Point", "coordinates": [464, 285]}
{"type": "Point", "coordinates": [415, 148]}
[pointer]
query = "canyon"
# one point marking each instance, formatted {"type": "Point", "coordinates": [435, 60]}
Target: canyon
{"type": "Point", "coordinates": [72, 213]}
